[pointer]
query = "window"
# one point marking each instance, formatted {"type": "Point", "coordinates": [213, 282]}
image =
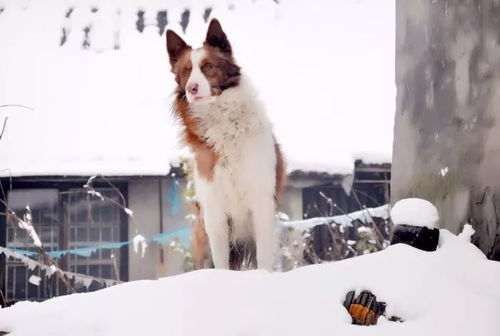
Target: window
{"type": "Point", "coordinates": [91, 222]}
{"type": "Point", "coordinates": [64, 219]}
{"type": "Point", "coordinates": [44, 211]}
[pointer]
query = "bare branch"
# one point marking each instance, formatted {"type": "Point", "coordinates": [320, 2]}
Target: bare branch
{"type": "Point", "coordinates": [123, 204]}
{"type": "Point", "coordinates": [3, 127]}
{"type": "Point", "coordinates": [18, 105]}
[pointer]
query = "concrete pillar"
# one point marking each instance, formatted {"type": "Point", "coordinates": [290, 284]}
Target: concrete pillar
{"type": "Point", "coordinates": [447, 133]}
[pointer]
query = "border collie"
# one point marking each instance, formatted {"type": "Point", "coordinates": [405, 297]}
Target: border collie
{"type": "Point", "coordinates": [239, 170]}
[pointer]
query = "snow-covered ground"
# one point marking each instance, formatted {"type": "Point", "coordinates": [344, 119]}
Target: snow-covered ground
{"type": "Point", "coordinates": [453, 291]}
{"type": "Point", "coordinates": [325, 70]}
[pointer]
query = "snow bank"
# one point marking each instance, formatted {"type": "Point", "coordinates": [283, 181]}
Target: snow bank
{"type": "Point", "coordinates": [416, 212]}
{"type": "Point", "coordinates": [453, 291]}
{"type": "Point", "coordinates": [104, 110]}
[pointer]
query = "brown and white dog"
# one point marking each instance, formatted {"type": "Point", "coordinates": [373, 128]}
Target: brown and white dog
{"type": "Point", "coordinates": [239, 169]}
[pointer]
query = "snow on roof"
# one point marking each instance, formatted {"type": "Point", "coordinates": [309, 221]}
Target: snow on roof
{"type": "Point", "coordinates": [452, 291]}
{"type": "Point", "coordinates": [99, 90]}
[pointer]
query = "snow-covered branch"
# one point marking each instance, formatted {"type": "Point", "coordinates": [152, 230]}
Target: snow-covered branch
{"type": "Point", "coordinates": [26, 225]}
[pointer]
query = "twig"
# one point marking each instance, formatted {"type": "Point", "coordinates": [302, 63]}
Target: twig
{"type": "Point", "coordinates": [17, 105]}
{"type": "Point", "coordinates": [370, 221]}
{"type": "Point", "coordinates": [123, 205]}
{"type": "Point", "coordinates": [3, 127]}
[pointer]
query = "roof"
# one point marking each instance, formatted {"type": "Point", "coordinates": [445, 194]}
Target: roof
{"type": "Point", "coordinates": [94, 84]}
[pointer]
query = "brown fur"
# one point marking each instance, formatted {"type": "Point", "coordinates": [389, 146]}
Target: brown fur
{"type": "Point", "coordinates": [280, 174]}
{"type": "Point", "coordinates": [200, 240]}
{"type": "Point", "coordinates": [220, 70]}
{"type": "Point", "coordinates": [204, 155]}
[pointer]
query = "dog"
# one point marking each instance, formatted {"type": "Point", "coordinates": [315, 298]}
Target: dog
{"type": "Point", "coordinates": [239, 172]}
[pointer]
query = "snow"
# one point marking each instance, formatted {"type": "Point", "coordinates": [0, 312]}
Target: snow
{"type": "Point", "coordinates": [325, 70]}
{"type": "Point", "coordinates": [467, 233]}
{"type": "Point", "coordinates": [416, 212]}
{"type": "Point", "coordinates": [35, 280]}
{"type": "Point", "coordinates": [452, 291]}
{"type": "Point", "coordinates": [27, 226]}
{"type": "Point", "coordinates": [140, 243]}
{"type": "Point", "coordinates": [444, 171]}
{"type": "Point", "coordinates": [364, 215]}
{"type": "Point", "coordinates": [129, 212]}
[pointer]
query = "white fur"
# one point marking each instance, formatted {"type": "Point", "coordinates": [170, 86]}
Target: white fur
{"type": "Point", "coordinates": [243, 185]}
{"type": "Point", "coordinates": [197, 77]}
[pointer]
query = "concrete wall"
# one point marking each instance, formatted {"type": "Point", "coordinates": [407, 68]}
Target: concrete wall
{"type": "Point", "coordinates": [144, 202]}
{"type": "Point", "coordinates": [446, 136]}
{"type": "Point", "coordinates": [156, 209]}
{"type": "Point", "coordinates": [292, 203]}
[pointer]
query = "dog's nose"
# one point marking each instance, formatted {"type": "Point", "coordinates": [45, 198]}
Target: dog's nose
{"type": "Point", "coordinates": [193, 88]}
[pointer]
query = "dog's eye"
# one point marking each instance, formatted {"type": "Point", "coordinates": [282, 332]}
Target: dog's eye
{"type": "Point", "coordinates": [207, 67]}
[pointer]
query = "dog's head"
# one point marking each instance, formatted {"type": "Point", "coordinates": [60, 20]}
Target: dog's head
{"type": "Point", "coordinates": [203, 73]}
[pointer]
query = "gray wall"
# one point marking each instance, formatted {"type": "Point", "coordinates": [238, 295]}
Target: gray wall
{"type": "Point", "coordinates": [292, 202]}
{"type": "Point", "coordinates": [145, 196]}
{"type": "Point", "coordinates": [446, 136]}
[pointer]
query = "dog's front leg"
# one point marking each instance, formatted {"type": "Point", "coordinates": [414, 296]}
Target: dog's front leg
{"type": "Point", "coordinates": [217, 229]}
{"type": "Point", "coordinates": [265, 233]}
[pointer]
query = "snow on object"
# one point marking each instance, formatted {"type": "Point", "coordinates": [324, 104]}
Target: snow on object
{"type": "Point", "coordinates": [364, 229]}
{"type": "Point", "coordinates": [444, 171]}
{"type": "Point", "coordinates": [140, 242]}
{"type": "Point", "coordinates": [31, 232]}
{"type": "Point", "coordinates": [453, 291]}
{"type": "Point", "coordinates": [87, 281]}
{"type": "Point", "coordinates": [52, 270]}
{"type": "Point", "coordinates": [365, 215]}
{"type": "Point", "coordinates": [467, 233]}
{"type": "Point", "coordinates": [28, 227]}
{"type": "Point", "coordinates": [97, 194]}
{"type": "Point", "coordinates": [129, 212]}
{"type": "Point", "coordinates": [35, 280]}
{"type": "Point", "coordinates": [416, 212]}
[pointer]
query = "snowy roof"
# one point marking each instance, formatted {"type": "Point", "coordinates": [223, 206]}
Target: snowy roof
{"type": "Point", "coordinates": [95, 78]}
{"type": "Point", "coordinates": [452, 291]}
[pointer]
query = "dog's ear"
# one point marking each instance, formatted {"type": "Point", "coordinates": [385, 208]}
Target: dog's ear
{"type": "Point", "coordinates": [217, 38]}
{"type": "Point", "coordinates": [175, 46]}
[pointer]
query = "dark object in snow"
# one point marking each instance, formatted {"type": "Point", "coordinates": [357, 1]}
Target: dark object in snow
{"type": "Point", "coordinates": [364, 309]}
{"type": "Point", "coordinates": [162, 21]}
{"type": "Point", "coordinates": [86, 39]}
{"type": "Point", "coordinates": [419, 237]}
{"type": "Point", "coordinates": [206, 14]}
{"type": "Point", "coordinates": [185, 20]}
{"type": "Point", "coordinates": [139, 24]}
